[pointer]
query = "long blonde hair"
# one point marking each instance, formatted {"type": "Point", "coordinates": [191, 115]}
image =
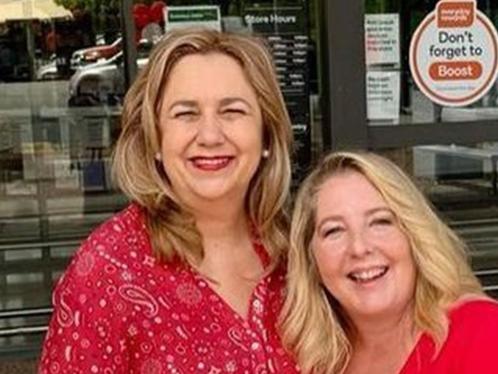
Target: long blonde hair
{"type": "Point", "coordinates": [313, 323]}
{"type": "Point", "coordinates": [171, 226]}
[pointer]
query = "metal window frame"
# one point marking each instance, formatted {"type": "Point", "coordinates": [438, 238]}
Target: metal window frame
{"type": "Point", "coordinates": [129, 45]}
{"type": "Point", "coordinates": [343, 72]}
{"type": "Point", "coordinates": [343, 75]}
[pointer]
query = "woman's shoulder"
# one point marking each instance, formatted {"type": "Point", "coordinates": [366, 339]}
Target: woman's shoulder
{"type": "Point", "coordinates": [475, 308]}
{"type": "Point", "coordinates": [473, 333]}
{"type": "Point", "coordinates": [121, 231]}
{"type": "Point", "coordinates": [475, 318]}
{"type": "Point", "coordinates": [116, 244]}
{"type": "Point", "coordinates": [129, 220]}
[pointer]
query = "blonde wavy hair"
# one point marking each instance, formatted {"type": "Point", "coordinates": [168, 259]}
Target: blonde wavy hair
{"type": "Point", "coordinates": [313, 324]}
{"type": "Point", "coordinates": [170, 224]}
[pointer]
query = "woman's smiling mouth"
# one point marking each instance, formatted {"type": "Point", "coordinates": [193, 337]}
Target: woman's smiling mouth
{"type": "Point", "coordinates": [368, 274]}
{"type": "Point", "coordinates": [211, 163]}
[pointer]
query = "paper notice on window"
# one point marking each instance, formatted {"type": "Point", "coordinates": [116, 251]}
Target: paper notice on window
{"type": "Point", "coordinates": [383, 91]}
{"type": "Point", "coordinates": [382, 39]}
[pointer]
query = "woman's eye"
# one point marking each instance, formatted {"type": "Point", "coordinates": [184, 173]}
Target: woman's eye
{"type": "Point", "coordinates": [331, 231]}
{"type": "Point", "coordinates": [231, 112]}
{"type": "Point", "coordinates": [383, 221]}
{"type": "Point", "coordinates": [186, 114]}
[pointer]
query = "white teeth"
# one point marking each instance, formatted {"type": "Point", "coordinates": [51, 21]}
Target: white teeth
{"type": "Point", "coordinates": [369, 274]}
{"type": "Point", "coordinates": [210, 161]}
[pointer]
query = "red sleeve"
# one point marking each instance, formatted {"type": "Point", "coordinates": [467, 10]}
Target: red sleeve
{"type": "Point", "coordinates": [86, 333]}
{"type": "Point", "coordinates": [477, 337]}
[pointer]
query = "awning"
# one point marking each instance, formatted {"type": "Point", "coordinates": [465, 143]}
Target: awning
{"type": "Point", "coordinates": [18, 10]}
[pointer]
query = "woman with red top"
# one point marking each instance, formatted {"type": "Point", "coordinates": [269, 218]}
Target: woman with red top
{"type": "Point", "coordinates": [378, 284]}
{"type": "Point", "coordinates": [188, 278]}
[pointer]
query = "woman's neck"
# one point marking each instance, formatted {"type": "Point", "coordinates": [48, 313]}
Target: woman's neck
{"type": "Point", "coordinates": [216, 229]}
{"type": "Point", "coordinates": [372, 332]}
{"type": "Point", "coordinates": [230, 263]}
{"type": "Point", "coordinates": [382, 345]}
{"type": "Point", "coordinates": [217, 221]}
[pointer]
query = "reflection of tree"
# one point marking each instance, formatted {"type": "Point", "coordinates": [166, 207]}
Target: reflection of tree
{"type": "Point", "coordinates": [88, 5]}
{"type": "Point", "coordinates": [101, 16]}
{"type": "Point", "coordinates": [113, 5]}
{"type": "Point", "coordinates": [98, 5]}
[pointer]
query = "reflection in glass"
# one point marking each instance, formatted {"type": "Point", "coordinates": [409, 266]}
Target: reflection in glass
{"type": "Point", "coordinates": [462, 182]}
{"type": "Point", "coordinates": [54, 157]}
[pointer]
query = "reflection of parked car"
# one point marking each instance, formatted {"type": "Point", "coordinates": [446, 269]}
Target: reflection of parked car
{"type": "Point", "coordinates": [103, 82]}
{"type": "Point", "coordinates": [95, 53]}
{"type": "Point", "coordinates": [48, 71]}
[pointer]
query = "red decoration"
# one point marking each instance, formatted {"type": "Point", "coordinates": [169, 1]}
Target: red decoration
{"type": "Point", "coordinates": [156, 11]}
{"type": "Point", "coordinates": [143, 15]}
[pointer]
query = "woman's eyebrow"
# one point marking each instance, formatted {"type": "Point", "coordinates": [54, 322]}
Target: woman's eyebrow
{"type": "Point", "coordinates": [186, 103]}
{"type": "Point", "coordinates": [234, 99]}
{"type": "Point", "coordinates": [379, 209]}
{"type": "Point", "coordinates": [327, 219]}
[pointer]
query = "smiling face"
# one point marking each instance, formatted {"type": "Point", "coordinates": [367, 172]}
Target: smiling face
{"type": "Point", "coordinates": [363, 256]}
{"type": "Point", "coordinates": [211, 128]}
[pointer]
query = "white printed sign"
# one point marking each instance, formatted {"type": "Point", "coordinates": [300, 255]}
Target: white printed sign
{"type": "Point", "coordinates": [383, 95]}
{"type": "Point", "coordinates": [382, 39]}
{"type": "Point", "coordinates": [454, 54]}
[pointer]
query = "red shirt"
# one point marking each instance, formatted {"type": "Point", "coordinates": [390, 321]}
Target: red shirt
{"type": "Point", "coordinates": [471, 346]}
{"type": "Point", "coordinates": [119, 310]}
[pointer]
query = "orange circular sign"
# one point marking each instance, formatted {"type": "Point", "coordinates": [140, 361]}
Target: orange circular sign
{"type": "Point", "coordinates": [454, 54]}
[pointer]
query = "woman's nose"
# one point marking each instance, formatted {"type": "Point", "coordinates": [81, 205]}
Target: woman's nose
{"type": "Point", "coordinates": [360, 245]}
{"type": "Point", "coordinates": [210, 131]}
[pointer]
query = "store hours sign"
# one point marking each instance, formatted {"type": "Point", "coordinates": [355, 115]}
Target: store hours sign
{"type": "Point", "coordinates": [286, 32]}
{"type": "Point", "coordinates": [454, 54]}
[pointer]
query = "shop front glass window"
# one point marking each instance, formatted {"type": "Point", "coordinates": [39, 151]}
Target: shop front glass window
{"type": "Point", "coordinates": [452, 76]}
{"type": "Point", "coordinates": [430, 62]}
{"type": "Point", "coordinates": [461, 180]}
{"type": "Point", "coordinates": [63, 70]}
{"type": "Point", "coordinates": [61, 88]}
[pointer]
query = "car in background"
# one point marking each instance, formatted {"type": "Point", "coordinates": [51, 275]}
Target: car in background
{"type": "Point", "coordinates": [48, 71]}
{"type": "Point", "coordinates": [93, 54]}
{"type": "Point", "coordinates": [79, 58]}
{"type": "Point", "coordinates": [102, 83]}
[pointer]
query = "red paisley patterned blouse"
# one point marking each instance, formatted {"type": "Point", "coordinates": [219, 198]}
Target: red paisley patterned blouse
{"type": "Point", "coordinates": [119, 310]}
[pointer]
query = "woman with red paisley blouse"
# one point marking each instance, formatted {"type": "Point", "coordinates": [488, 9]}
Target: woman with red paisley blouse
{"type": "Point", "coordinates": [188, 278]}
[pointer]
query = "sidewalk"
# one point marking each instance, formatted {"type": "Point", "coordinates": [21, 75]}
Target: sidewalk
{"type": "Point", "coordinates": [18, 367]}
